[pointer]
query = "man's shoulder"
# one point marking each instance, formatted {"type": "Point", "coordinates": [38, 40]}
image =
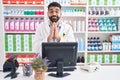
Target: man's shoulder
{"type": "Point", "coordinates": [67, 24]}
{"type": "Point", "coordinates": [44, 23]}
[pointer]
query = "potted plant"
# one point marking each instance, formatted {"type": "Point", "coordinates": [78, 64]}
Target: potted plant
{"type": "Point", "coordinates": [40, 66]}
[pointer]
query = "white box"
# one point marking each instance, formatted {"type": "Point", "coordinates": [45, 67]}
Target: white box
{"type": "Point", "coordinates": [10, 42]}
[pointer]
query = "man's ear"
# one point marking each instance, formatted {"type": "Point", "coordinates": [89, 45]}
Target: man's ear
{"type": "Point", "coordinates": [61, 14]}
{"type": "Point", "coordinates": [47, 13]}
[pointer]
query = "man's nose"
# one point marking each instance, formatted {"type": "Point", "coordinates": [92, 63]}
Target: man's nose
{"type": "Point", "coordinates": [54, 13]}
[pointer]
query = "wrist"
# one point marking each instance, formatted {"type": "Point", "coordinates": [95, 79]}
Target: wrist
{"type": "Point", "coordinates": [58, 38]}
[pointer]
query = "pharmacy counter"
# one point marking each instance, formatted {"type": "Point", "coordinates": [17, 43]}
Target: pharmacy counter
{"type": "Point", "coordinates": [104, 73]}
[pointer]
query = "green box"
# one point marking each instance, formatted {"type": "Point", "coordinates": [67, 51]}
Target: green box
{"type": "Point", "coordinates": [118, 58]}
{"type": "Point", "coordinates": [113, 2]}
{"type": "Point", "coordinates": [88, 58]}
{"type": "Point", "coordinates": [6, 42]}
{"type": "Point", "coordinates": [22, 42]}
{"type": "Point", "coordinates": [103, 58]}
{"type": "Point", "coordinates": [30, 42]}
{"type": "Point", "coordinates": [110, 58]}
{"type": "Point", "coordinates": [14, 42]}
{"type": "Point", "coordinates": [105, 2]}
{"type": "Point", "coordinates": [97, 2]}
{"type": "Point", "coordinates": [90, 2]}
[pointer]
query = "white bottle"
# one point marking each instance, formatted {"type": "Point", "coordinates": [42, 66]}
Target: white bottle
{"type": "Point", "coordinates": [83, 26]}
{"type": "Point", "coordinates": [6, 23]}
{"type": "Point", "coordinates": [22, 24]}
{"type": "Point", "coordinates": [17, 24]}
{"type": "Point", "coordinates": [12, 24]}
{"type": "Point", "coordinates": [74, 25]}
{"type": "Point", "coordinates": [27, 24]}
{"type": "Point", "coordinates": [32, 24]}
{"type": "Point", "coordinates": [78, 26]}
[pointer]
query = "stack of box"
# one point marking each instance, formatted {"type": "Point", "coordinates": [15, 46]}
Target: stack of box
{"type": "Point", "coordinates": [104, 58]}
{"type": "Point", "coordinates": [18, 42]}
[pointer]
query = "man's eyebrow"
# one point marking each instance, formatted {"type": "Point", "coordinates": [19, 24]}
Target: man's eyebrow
{"type": "Point", "coordinates": [55, 9]}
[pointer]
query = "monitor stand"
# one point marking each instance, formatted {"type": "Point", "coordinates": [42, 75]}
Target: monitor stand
{"type": "Point", "coordinates": [60, 70]}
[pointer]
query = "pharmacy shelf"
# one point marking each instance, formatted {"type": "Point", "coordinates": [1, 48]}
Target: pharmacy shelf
{"type": "Point", "coordinates": [112, 32]}
{"type": "Point", "coordinates": [103, 51]}
{"type": "Point", "coordinates": [73, 6]}
{"type": "Point", "coordinates": [20, 52]}
{"type": "Point", "coordinates": [74, 16]}
{"type": "Point", "coordinates": [104, 6]}
{"type": "Point", "coordinates": [79, 32]}
{"type": "Point", "coordinates": [81, 52]}
{"type": "Point", "coordinates": [101, 16]}
{"type": "Point", "coordinates": [110, 64]}
{"type": "Point", "coordinates": [16, 32]}
{"type": "Point", "coordinates": [24, 16]}
{"type": "Point", "coordinates": [102, 64]}
{"type": "Point", "coordinates": [19, 5]}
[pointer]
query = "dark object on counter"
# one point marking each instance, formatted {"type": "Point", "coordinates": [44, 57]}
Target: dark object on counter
{"type": "Point", "coordinates": [11, 66]}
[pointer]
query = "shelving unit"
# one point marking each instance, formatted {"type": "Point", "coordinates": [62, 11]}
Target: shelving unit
{"type": "Point", "coordinates": [109, 11]}
{"type": "Point", "coordinates": [19, 23]}
{"type": "Point", "coordinates": [78, 16]}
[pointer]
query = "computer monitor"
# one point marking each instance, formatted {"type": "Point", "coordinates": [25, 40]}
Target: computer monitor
{"type": "Point", "coordinates": [61, 55]}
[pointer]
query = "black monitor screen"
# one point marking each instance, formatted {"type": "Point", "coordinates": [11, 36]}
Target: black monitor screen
{"type": "Point", "coordinates": [60, 54]}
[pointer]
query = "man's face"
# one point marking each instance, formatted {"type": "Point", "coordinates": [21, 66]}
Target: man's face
{"type": "Point", "coordinates": [54, 14]}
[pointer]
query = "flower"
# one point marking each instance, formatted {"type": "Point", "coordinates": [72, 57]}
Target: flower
{"type": "Point", "coordinates": [39, 62]}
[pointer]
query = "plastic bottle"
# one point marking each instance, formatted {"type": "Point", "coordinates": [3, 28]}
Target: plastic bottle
{"type": "Point", "coordinates": [27, 24]}
{"type": "Point", "coordinates": [17, 24]}
{"type": "Point", "coordinates": [81, 44]}
{"type": "Point", "coordinates": [7, 24]}
{"type": "Point", "coordinates": [110, 45]}
{"type": "Point", "coordinates": [12, 26]}
{"type": "Point", "coordinates": [36, 22]}
{"type": "Point", "coordinates": [22, 24]}
{"type": "Point", "coordinates": [32, 24]}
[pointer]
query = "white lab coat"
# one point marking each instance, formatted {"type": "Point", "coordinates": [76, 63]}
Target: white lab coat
{"type": "Point", "coordinates": [43, 31]}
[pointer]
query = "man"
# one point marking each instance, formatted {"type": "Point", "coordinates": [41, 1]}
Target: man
{"type": "Point", "coordinates": [54, 30]}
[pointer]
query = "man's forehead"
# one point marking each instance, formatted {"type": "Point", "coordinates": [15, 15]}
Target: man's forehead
{"type": "Point", "coordinates": [54, 8]}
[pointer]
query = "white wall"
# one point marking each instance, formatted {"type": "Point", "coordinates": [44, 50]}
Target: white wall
{"type": "Point", "coordinates": [2, 54]}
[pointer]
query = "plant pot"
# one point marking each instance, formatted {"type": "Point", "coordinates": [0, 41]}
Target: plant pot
{"type": "Point", "coordinates": [39, 74]}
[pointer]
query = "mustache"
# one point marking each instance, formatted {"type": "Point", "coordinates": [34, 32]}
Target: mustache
{"type": "Point", "coordinates": [54, 18]}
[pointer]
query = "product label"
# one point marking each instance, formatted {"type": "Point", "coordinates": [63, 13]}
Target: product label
{"type": "Point", "coordinates": [32, 25]}
{"type": "Point", "coordinates": [12, 25]}
{"type": "Point", "coordinates": [21, 25]}
{"type": "Point", "coordinates": [6, 25]}
{"type": "Point", "coordinates": [27, 25]}
{"type": "Point", "coordinates": [17, 25]}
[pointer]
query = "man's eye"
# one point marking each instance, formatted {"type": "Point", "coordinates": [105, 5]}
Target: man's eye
{"type": "Point", "coordinates": [54, 11]}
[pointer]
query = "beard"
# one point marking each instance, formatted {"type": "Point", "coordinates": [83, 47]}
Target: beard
{"type": "Point", "coordinates": [54, 18]}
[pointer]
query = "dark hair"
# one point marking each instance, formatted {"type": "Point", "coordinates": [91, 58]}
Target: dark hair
{"type": "Point", "coordinates": [54, 4]}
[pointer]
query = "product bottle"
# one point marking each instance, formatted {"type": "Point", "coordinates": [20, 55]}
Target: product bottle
{"type": "Point", "coordinates": [31, 24]}
{"type": "Point", "coordinates": [27, 24]}
{"type": "Point", "coordinates": [22, 24]}
{"type": "Point", "coordinates": [12, 24]}
{"type": "Point", "coordinates": [36, 23]}
{"type": "Point", "coordinates": [17, 24]}
{"type": "Point", "coordinates": [7, 24]}
{"type": "Point", "coordinates": [81, 44]}
{"type": "Point", "coordinates": [110, 45]}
